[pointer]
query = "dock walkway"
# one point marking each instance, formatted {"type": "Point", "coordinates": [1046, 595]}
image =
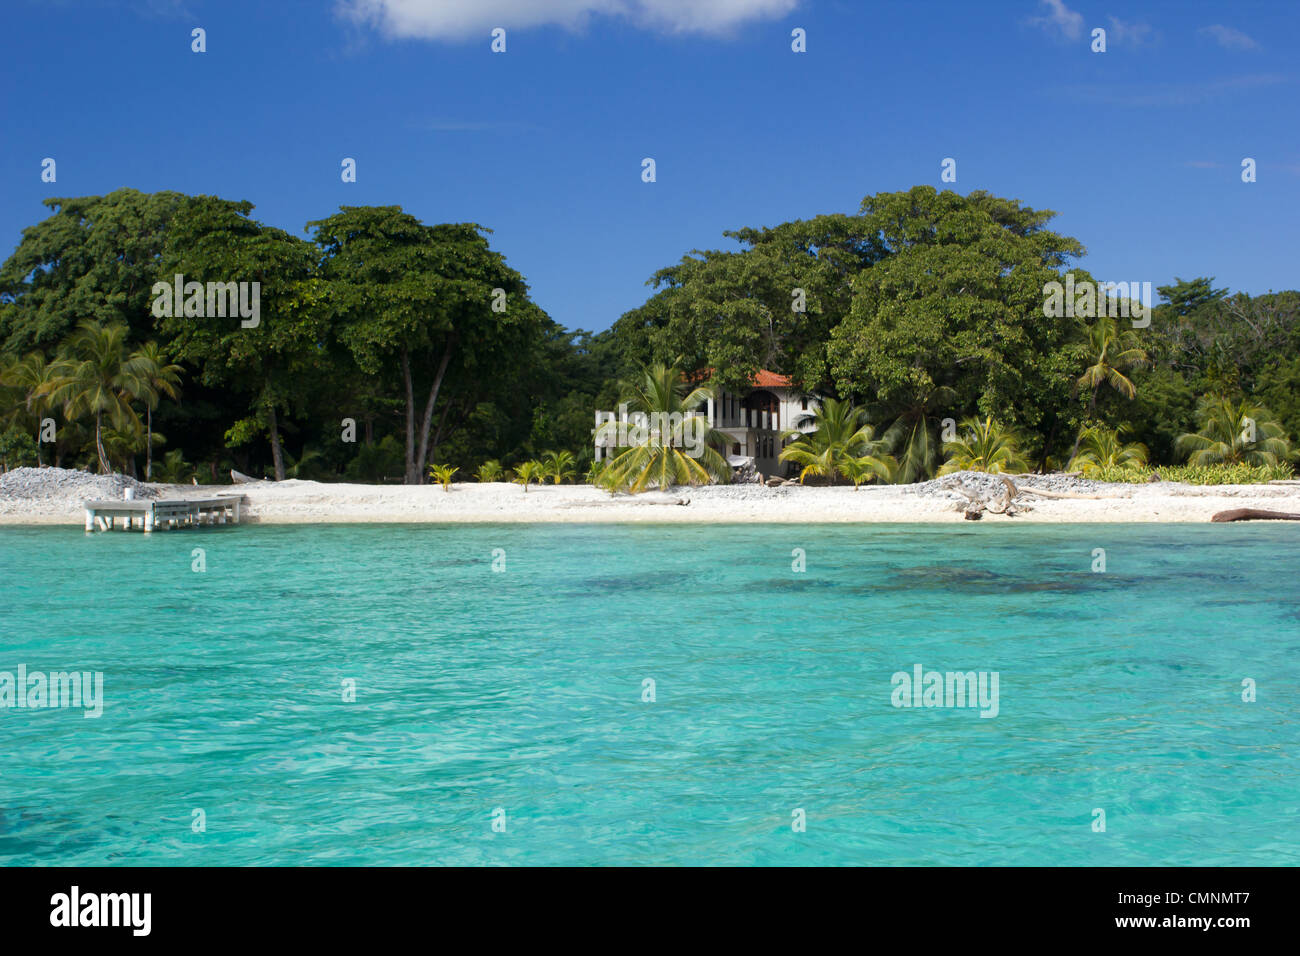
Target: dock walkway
{"type": "Point", "coordinates": [162, 514]}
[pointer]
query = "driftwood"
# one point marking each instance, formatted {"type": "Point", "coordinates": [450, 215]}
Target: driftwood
{"type": "Point", "coordinates": [1255, 514]}
{"type": "Point", "coordinates": [1043, 492]}
{"type": "Point", "coordinates": [976, 505]}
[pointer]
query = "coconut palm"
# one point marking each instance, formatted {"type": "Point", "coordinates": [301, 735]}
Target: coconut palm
{"type": "Point", "coordinates": [1101, 449]}
{"type": "Point", "coordinates": [122, 445]}
{"type": "Point", "coordinates": [1234, 432]}
{"type": "Point", "coordinates": [160, 379]}
{"type": "Point", "coordinates": [490, 470]}
{"type": "Point", "coordinates": [985, 446]}
{"type": "Point", "coordinates": [840, 445]}
{"type": "Point", "coordinates": [31, 379]}
{"type": "Point", "coordinates": [1113, 352]}
{"type": "Point", "coordinates": [914, 435]}
{"type": "Point", "coordinates": [97, 377]}
{"type": "Point", "coordinates": [529, 471]}
{"type": "Point", "coordinates": [559, 466]}
{"type": "Point", "coordinates": [858, 470]}
{"type": "Point", "coordinates": [173, 468]}
{"type": "Point", "coordinates": [443, 475]}
{"type": "Point", "coordinates": [675, 446]}
{"type": "Point", "coordinates": [310, 460]}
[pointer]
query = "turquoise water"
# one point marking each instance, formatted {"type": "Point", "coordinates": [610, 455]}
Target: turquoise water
{"type": "Point", "coordinates": [522, 690]}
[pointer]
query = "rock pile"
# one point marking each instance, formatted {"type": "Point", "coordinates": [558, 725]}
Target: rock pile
{"type": "Point", "coordinates": [66, 485]}
{"type": "Point", "coordinates": [982, 483]}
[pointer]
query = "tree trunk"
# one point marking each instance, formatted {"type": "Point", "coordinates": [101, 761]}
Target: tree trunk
{"type": "Point", "coordinates": [277, 454]}
{"type": "Point", "coordinates": [412, 475]}
{"type": "Point", "coordinates": [427, 425]}
{"type": "Point", "coordinates": [1092, 403]}
{"type": "Point", "coordinates": [438, 432]}
{"type": "Point", "coordinates": [148, 443]}
{"type": "Point", "coordinates": [104, 468]}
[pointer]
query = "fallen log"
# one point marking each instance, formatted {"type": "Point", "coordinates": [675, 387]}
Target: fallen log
{"type": "Point", "coordinates": [1255, 514]}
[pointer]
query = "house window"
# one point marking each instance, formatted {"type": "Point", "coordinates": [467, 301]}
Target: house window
{"type": "Point", "coordinates": [804, 402]}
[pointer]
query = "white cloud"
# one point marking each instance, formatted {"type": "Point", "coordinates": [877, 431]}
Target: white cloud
{"type": "Point", "coordinates": [1228, 38]}
{"type": "Point", "coordinates": [1128, 33]}
{"type": "Point", "coordinates": [462, 19]}
{"type": "Point", "coordinates": [1060, 19]}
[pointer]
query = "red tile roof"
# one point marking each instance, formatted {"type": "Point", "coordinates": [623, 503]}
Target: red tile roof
{"type": "Point", "coordinates": [762, 378]}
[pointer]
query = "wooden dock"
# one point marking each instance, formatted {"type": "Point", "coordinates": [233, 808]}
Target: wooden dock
{"type": "Point", "coordinates": [161, 515]}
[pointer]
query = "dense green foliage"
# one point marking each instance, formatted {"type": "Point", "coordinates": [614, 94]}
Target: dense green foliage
{"type": "Point", "coordinates": [841, 445]}
{"type": "Point", "coordinates": [384, 345]}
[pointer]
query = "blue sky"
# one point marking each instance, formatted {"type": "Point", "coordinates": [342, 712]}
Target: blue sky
{"type": "Point", "coordinates": [1138, 149]}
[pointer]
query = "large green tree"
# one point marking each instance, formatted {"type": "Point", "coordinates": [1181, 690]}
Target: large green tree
{"type": "Point", "coordinates": [273, 362]}
{"type": "Point", "coordinates": [414, 305]}
{"type": "Point", "coordinates": [95, 258]}
{"type": "Point", "coordinates": [770, 305]}
{"type": "Point", "coordinates": [956, 301]}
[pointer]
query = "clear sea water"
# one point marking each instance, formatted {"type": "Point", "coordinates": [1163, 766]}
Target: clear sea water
{"type": "Point", "coordinates": [522, 690]}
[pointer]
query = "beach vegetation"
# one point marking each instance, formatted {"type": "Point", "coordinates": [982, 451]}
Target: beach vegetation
{"type": "Point", "coordinates": [1234, 432]}
{"type": "Point", "coordinates": [443, 475]}
{"type": "Point", "coordinates": [984, 445]}
{"type": "Point", "coordinates": [1103, 449]}
{"type": "Point", "coordinates": [529, 472]}
{"type": "Point", "coordinates": [841, 446]}
{"type": "Point", "coordinates": [924, 307]}
{"type": "Point", "coordinates": [675, 446]}
{"type": "Point", "coordinates": [559, 466]}
{"type": "Point", "coordinates": [97, 377]}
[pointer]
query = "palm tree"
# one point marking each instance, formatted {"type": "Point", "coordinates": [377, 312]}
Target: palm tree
{"type": "Point", "coordinates": [160, 378]}
{"type": "Point", "coordinates": [310, 460]}
{"type": "Point", "coordinates": [1113, 351]}
{"type": "Point", "coordinates": [1104, 448]}
{"type": "Point", "coordinates": [559, 466]}
{"type": "Point", "coordinates": [914, 435]}
{"type": "Point", "coordinates": [97, 377]}
{"type": "Point", "coordinates": [987, 446]}
{"type": "Point", "coordinates": [858, 470]}
{"type": "Point", "coordinates": [32, 378]}
{"type": "Point", "coordinates": [678, 446]}
{"type": "Point", "coordinates": [1234, 432]}
{"type": "Point", "coordinates": [841, 444]}
{"type": "Point", "coordinates": [489, 471]}
{"type": "Point", "coordinates": [174, 469]}
{"type": "Point", "coordinates": [443, 475]}
{"type": "Point", "coordinates": [527, 472]}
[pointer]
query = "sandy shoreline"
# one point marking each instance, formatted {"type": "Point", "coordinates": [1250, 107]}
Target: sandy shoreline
{"type": "Point", "coordinates": [309, 502]}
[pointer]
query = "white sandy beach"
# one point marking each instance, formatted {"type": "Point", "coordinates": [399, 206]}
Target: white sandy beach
{"type": "Point", "coordinates": [304, 502]}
